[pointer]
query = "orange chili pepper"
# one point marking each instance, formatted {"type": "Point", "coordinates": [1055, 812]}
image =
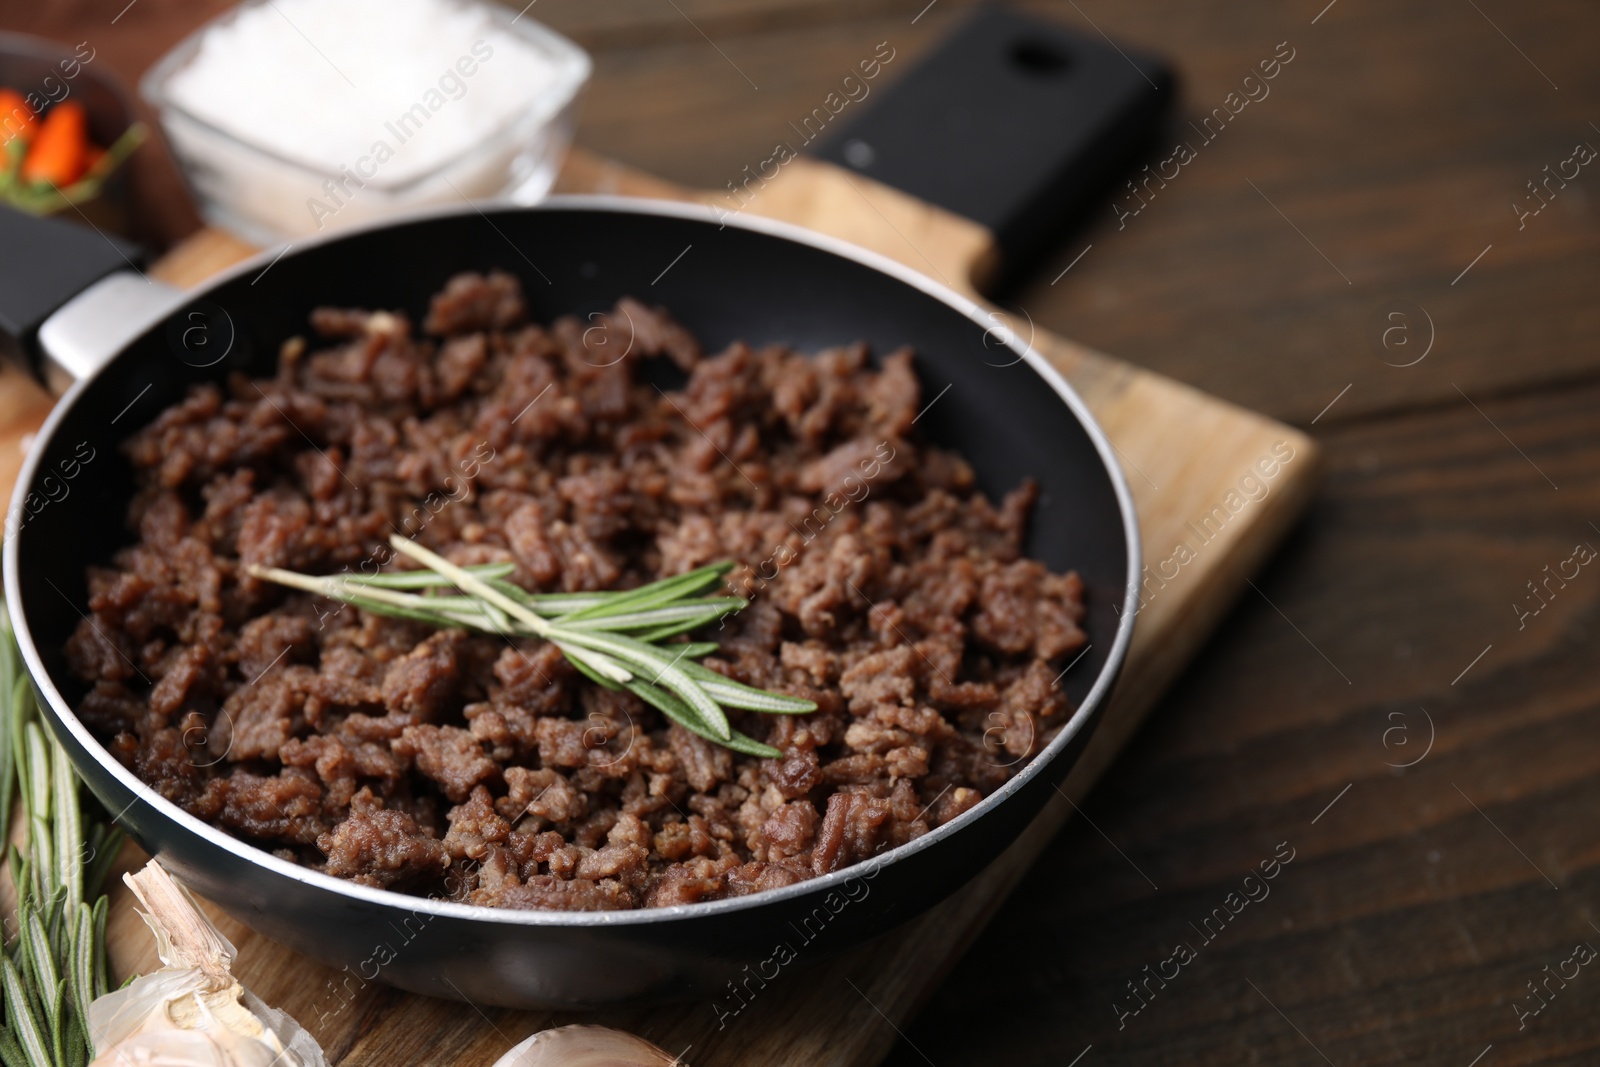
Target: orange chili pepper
{"type": "Point", "coordinates": [16, 117]}
{"type": "Point", "coordinates": [59, 147]}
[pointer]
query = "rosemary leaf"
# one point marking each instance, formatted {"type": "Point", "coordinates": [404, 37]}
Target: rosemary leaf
{"type": "Point", "coordinates": [580, 660]}
{"type": "Point", "coordinates": [68, 825]}
{"type": "Point", "coordinates": [674, 709]}
{"type": "Point", "coordinates": [692, 615]}
{"type": "Point", "coordinates": [41, 966]}
{"type": "Point", "coordinates": [734, 695]}
{"type": "Point", "coordinates": [667, 673]}
{"type": "Point", "coordinates": [19, 1012]}
{"type": "Point", "coordinates": [20, 872]}
{"type": "Point", "coordinates": [464, 611]}
{"type": "Point", "coordinates": [37, 797]}
{"type": "Point", "coordinates": [78, 1041]}
{"type": "Point", "coordinates": [601, 664]}
{"type": "Point", "coordinates": [16, 726]}
{"type": "Point", "coordinates": [9, 680]}
{"type": "Point", "coordinates": [738, 695]}
{"type": "Point", "coordinates": [11, 1053]}
{"type": "Point", "coordinates": [426, 579]}
{"type": "Point", "coordinates": [340, 589]}
{"type": "Point", "coordinates": [60, 1028]}
{"type": "Point", "coordinates": [751, 747]}
{"type": "Point", "coordinates": [102, 964]}
{"type": "Point", "coordinates": [550, 605]}
{"type": "Point", "coordinates": [81, 962]}
{"type": "Point", "coordinates": [36, 802]}
{"type": "Point", "coordinates": [555, 604]}
{"type": "Point", "coordinates": [661, 633]}
{"type": "Point", "coordinates": [393, 611]}
{"type": "Point", "coordinates": [52, 920]}
{"type": "Point", "coordinates": [664, 591]}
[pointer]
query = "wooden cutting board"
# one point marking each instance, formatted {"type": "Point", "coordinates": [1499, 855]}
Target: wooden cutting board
{"type": "Point", "coordinates": [1185, 455]}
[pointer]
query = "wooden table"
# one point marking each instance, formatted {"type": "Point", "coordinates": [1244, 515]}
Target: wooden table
{"type": "Point", "coordinates": [1421, 899]}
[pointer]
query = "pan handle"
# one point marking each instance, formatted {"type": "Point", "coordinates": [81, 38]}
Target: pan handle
{"type": "Point", "coordinates": [71, 297]}
{"type": "Point", "coordinates": [83, 335]}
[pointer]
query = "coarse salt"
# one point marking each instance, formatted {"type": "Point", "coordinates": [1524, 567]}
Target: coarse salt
{"type": "Point", "coordinates": [292, 117]}
{"type": "Point", "coordinates": [324, 82]}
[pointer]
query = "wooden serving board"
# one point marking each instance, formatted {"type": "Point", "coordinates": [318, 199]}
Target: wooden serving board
{"type": "Point", "coordinates": [1184, 453]}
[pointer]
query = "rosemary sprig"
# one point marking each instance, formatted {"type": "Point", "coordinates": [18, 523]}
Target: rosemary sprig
{"type": "Point", "coordinates": [613, 638]}
{"type": "Point", "coordinates": [55, 963]}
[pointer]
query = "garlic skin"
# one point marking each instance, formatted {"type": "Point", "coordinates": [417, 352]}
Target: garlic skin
{"type": "Point", "coordinates": [192, 1012]}
{"type": "Point", "coordinates": [585, 1046]}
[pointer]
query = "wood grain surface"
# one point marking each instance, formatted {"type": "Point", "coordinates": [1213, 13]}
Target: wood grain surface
{"type": "Point", "coordinates": [1415, 911]}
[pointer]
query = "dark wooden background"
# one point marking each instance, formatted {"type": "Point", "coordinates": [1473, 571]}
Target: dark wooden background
{"type": "Point", "coordinates": [1420, 904]}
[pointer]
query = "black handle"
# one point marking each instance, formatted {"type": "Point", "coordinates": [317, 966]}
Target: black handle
{"type": "Point", "coordinates": [1012, 121]}
{"type": "Point", "coordinates": [44, 263]}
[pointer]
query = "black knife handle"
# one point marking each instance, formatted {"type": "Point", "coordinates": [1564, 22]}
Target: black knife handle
{"type": "Point", "coordinates": [45, 262]}
{"type": "Point", "coordinates": [1014, 122]}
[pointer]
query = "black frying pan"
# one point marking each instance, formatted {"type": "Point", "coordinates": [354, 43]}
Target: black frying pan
{"type": "Point", "coordinates": [1007, 411]}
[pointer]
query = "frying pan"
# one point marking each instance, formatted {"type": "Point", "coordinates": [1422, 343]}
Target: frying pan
{"type": "Point", "coordinates": [1005, 409]}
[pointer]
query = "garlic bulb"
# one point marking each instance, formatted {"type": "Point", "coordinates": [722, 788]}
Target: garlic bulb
{"type": "Point", "coordinates": [192, 1012]}
{"type": "Point", "coordinates": [586, 1046]}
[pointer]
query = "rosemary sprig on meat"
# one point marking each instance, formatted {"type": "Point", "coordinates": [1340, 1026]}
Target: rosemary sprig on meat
{"type": "Point", "coordinates": [613, 638]}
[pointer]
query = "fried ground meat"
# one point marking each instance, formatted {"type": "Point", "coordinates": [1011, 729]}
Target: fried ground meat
{"type": "Point", "coordinates": [883, 585]}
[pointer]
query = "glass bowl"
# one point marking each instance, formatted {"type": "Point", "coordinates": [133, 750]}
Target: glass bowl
{"type": "Point", "coordinates": [267, 196]}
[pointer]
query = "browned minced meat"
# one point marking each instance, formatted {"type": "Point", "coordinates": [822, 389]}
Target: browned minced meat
{"type": "Point", "coordinates": [883, 586]}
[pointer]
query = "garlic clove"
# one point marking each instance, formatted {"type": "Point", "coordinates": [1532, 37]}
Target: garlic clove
{"type": "Point", "coordinates": [192, 1012]}
{"type": "Point", "coordinates": [586, 1046]}
{"type": "Point", "coordinates": [208, 1047]}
